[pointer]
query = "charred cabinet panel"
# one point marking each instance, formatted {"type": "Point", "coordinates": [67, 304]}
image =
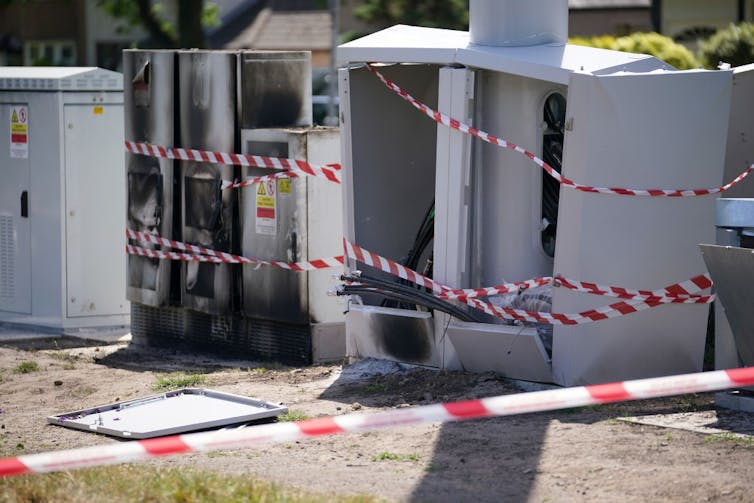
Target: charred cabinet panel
{"type": "Point", "coordinates": [150, 111]}
{"type": "Point", "coordinates": [274, 92]}
{"type": "Point", "coordinates": [274, 227]}
{"type": "Point", "coordinates": [275, 89]}
{"type": "Point", "coordinates": [207, 122]}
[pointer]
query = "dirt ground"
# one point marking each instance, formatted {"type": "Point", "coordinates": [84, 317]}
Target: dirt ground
{"type": "Point", "coordinates": [590, 454]}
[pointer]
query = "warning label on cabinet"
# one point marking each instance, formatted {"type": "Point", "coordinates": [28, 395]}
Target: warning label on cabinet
{"type": "Point", "coordinates": [266, 221]}
{"type": "Point", "coordinates": [19, 132]}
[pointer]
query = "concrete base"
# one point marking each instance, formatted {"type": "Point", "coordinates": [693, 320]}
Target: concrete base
{"type": "Point", "coordinates": [736, 400]}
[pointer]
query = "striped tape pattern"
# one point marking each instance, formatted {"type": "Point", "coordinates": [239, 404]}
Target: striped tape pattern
{"type": "Point", "coordinates": [503, 405]}
{"type": "Point", "coordinates": [452, 123]}
{"type": "Point", "coordinates": [640, 300]}
{"type": "Point", "coordinates": [189, 252]}
{"type": "Point", "coordinates": [293, 167]}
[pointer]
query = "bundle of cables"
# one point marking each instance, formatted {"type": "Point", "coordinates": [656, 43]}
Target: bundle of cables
{"type": "Point", "coordinates": [403, 294]}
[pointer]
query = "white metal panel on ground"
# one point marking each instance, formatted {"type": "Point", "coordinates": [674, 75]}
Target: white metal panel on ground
{"type": "Point", "coordinates": [178, 411]}
{"type": "Point", "coordinates": [656, 130]}
{"type": "Point", "coordinates": [15, 238]}
{"type": "Point", "coordinates": [95, 210]}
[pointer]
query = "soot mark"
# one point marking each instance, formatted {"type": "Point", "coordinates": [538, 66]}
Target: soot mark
{"type": "Point", "coordinates": [404, 341]}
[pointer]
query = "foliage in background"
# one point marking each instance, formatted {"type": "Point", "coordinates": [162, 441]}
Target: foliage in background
{"type": "Point", "coordinates": [170, 24]}
{"type": "Point", "coordinates": [659, 46]}
{"type": "Point", "coordinates": [734, 45]}
{"type": "Point", "coordinates": [451, 14]}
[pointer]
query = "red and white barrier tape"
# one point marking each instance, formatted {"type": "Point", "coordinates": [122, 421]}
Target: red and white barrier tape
{"type": "Point", "coordinates": [452, 123]}
{"type": "Point", "coordinates": [504, 405]}
{"type": "Point", "coordinates": [685, 289]}
{"type": "Point", "coordinates": [329, 172]}
{"type": "Point", "coordinates": [201, 254]}
{"type": "Point", "coordinates": [668, 295]}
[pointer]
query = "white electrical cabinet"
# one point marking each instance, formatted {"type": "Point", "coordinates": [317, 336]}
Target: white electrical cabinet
{"type": "Point", "coordinates": [602, 118]}
{"type": "Point", "coordinates": [62, 198]}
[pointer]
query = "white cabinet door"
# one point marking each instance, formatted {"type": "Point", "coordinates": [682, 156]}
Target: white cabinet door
{"type": "Point", "coordinates": [660, 130]}
{"type": "Point", "coordinates": [15, 244]}
{"type": "Point", "coordinates": [95, 195]}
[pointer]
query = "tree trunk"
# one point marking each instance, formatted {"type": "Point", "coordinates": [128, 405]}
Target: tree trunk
{"type": "Point", "coordinates": [190, 31]}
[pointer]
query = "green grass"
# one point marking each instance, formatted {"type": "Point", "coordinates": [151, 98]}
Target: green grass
{"type": "Point", "coordinates": [26, 367]}
{"type": "Point", "coordinates": [292, 415]}
{"type": "Point", "coordinates": [177, 380]}
{"type": "Point", "coordinates": [392, 456]}
{"type": "Point", "coordinates": [730, 437]}
{"type": "Point", "coordinates": [375, 388]}
{"type": "Point", "coordinates": [128, 483]}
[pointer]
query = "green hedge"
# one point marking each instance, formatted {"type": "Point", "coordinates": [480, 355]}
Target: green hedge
{"type": "Point", "coordinates": [734, 45]}
{"type": "Point", "coordinates": [661, 47]}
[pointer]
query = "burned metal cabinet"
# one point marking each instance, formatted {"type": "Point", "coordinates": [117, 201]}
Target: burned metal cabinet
{"type": "Point", "coordinates": [291, 219]}
{"type": "Point", "coordinates": [274, 93]}
{"type": "Point", "coordinates": [207, 103]}
{"type": "Point", "coordinates": [149, 97]}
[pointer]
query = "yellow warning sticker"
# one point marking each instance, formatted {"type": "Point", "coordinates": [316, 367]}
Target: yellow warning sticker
{"type": "Point", "coordinates": [284, 185]}
{"type": "Point", "coordinates": [98, 110]}
{"type": "Point", "coordinates": [19, 132]}
{"type": "Point", "coordinates": [266, 221]}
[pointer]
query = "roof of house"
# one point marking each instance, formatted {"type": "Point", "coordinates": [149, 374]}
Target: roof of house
{"type": "Point", "coordinates": [282, 29]}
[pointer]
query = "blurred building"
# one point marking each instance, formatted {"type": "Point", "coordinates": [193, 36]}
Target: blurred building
{"type": "Point", "coordinates": [79, 32]}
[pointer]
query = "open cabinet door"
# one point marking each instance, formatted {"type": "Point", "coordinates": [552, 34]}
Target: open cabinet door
{"type": "Point", "coordinates": [658, 130]}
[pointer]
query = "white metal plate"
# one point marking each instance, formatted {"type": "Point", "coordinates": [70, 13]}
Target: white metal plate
{"type": "Point", "coordinates": [187, 409]}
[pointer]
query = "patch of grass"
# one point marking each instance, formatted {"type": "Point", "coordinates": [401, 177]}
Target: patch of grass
{"type": "Point", "coordinates": [145, 483]}
{"type": "Point", "coordinates": [730, 437]}
{"type": "Point", "coordinates": [292, 415]}
{"type": "Point", "coordinates": [26, 367]}
{"type": "Point", "coordinates": [392, 456]}
{"type": "Point", "coordinates": [178, 380]}
{"type": "Point", "coordinates": [69, 366]}
{"type": "Point", "coordinates": [375, 388]}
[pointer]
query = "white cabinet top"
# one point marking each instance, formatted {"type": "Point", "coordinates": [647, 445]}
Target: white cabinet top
{"type": "Point", "coordinates": [59, 78]}
{"type": "Point", "coordinates": [552, 62]}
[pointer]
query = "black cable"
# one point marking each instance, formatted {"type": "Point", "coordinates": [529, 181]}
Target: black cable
{"type": "Point", "coordinates": [416, 296]}
{"type": "Point", "coordinates": [438, 306]}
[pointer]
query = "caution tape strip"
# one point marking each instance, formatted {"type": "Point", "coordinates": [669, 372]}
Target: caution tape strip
{"type": "Point", "coordinates": [452, 123]}
{"type": "Point", "coordinates": [329, 172]}
{"type": "Point", "coordinates": [644, 299]}
{"type": "Point", "coordinates": [196, 253]}
{"type": "Point", "coordinates": [668, 295]}
{"type": "Point", "coordinates": [688, 288]}
{"type": "Point", "coordinates": [503, 405]}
